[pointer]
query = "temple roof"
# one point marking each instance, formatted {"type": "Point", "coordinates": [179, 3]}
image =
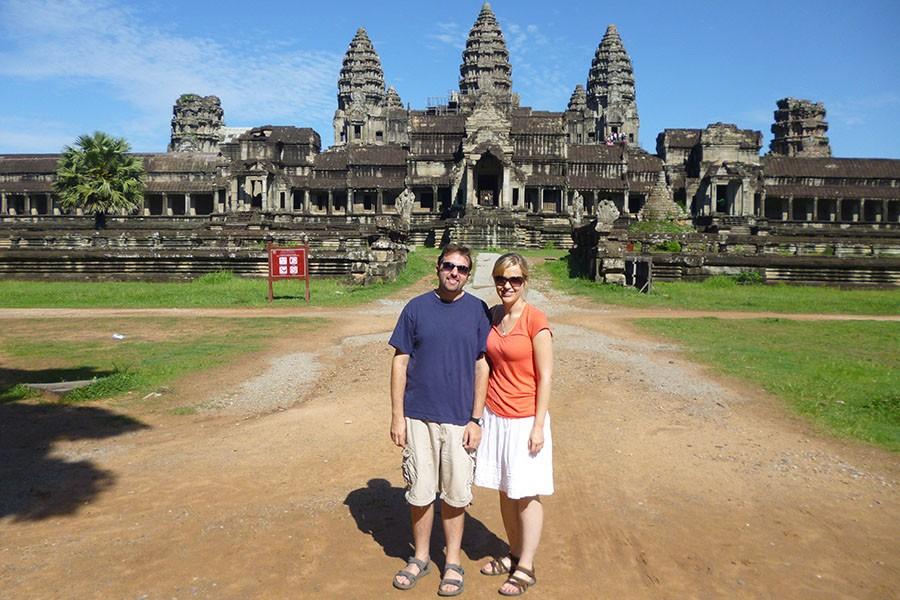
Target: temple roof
{"type": "Point", "coordinates": [681, 138]}
{"type": "Point", "coordinates": [282, 133]}
{"type": "Point", "coordinates": [485, 66]}
{"type": "Point", "coordinates": [784, 166]}
{"type": "Point", "coordinates": [578, 101]}
{"type": "Point", "coordinates": [28, 163]}
{"type": "Point", "coordinates": [420, 122]}
{"type": "Point", "coordinates": [595, 153]}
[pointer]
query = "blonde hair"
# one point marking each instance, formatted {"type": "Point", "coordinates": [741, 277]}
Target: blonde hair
{"type": "Point", "coordinates": [511, 259]}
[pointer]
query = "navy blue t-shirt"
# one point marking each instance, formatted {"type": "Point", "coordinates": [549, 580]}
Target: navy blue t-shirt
{"type": "Point", "coordinates": [443, 340]}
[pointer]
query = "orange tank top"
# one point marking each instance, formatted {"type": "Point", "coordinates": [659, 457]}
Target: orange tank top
{"type": "Point", "coordinates": [512, 387]}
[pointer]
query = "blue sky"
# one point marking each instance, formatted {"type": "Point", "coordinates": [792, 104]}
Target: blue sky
{"type": "Point", "coordinates": [71, 67]}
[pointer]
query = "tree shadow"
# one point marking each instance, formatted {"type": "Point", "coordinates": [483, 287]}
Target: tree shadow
{"type": "Point", "coordinates": [35, 485]}
{"type": "Point", "coordinates": [381, 511]}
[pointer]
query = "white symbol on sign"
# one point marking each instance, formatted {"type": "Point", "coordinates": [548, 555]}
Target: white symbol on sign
{"type": "Point", "coordinates": [293, 270]}
{"type": "Point", "coordinates": [293, 260]}
{"type": "Point", "coordinates": [282, 260]}
{"type": "Point", "coordinates": [282, 270]}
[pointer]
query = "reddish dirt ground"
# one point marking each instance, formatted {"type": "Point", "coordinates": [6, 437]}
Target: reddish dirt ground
{"type": "Point", "coordinates": [671, 482]}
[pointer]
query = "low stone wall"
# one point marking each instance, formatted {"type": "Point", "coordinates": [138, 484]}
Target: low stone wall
{"type": "Point", "coordinates": [837, 257]}
{"type": "Point", "coordinates": [364, 250]}
{"type": "Point", "coordinates": [494, 229]}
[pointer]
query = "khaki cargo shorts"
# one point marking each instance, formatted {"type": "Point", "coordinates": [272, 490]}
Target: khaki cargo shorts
{"type": "Point", "coordinates": [434, 461]}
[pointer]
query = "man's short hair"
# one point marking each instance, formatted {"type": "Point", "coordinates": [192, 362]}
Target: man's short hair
{"type": "Point", "coordinates": [454, 248]}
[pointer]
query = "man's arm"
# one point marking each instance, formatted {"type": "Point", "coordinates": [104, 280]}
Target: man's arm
{"type": "Point", "coordinates": [472, 435]}
{"type": "Point", "coordinates": [398, 388]}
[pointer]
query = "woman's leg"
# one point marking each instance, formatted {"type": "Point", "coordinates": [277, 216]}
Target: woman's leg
{"type": "Point", "coordinates": [509, 510]}
{"type": "Point", "coordinates": [530, 519]}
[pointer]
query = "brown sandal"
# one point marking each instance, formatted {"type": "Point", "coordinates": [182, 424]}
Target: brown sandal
{"type": "Point", "coordinates": [520, 584]}
{"type": "Point", "coordinates": [498, 567]}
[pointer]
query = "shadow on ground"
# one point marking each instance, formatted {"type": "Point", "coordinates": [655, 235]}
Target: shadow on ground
{"type": "Point", "coordinates": [382, 512]}
{"type": "Point", "coordinates": [35, 485]}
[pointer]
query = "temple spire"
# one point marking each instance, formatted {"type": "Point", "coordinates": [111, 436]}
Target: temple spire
{"type": "Point", "coordinates": [610, 89]}
{"type": "Point", "coordinates": [485, 67]}
{"type": "Point", "coordinates": [361, 76]}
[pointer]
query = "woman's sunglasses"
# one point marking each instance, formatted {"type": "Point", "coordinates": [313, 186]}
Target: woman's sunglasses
{"type": "Point", "coordinates": [447, 267]}
{"type": "Point", "coordinates": [516, 282]}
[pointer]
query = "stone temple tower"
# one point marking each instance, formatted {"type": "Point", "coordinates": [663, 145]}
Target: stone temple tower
{"type": "Point", "coordinates": [366, 113]}
{"type": "Point", "coordinates": [197, 123]}
{"type": "Point", "coordinates": [610, 89]}
{"type": "Point", "coordinates": [485, 68]}
{"type": "Point", "coordinates": [799, 129]}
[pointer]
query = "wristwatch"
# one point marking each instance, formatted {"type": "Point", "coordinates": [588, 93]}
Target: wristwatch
{"type": "Point", "coordinates": [479, 422]}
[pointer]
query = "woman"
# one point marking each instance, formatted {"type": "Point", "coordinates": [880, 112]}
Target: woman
{"type": "Point", "coordinates": [516, 454]}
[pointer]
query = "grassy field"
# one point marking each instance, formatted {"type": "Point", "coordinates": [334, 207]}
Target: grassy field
{"type": "Point", "coordinates": [724, 293]}
{"type": "Point", "coordinates": [216, 290]}
{"type": "Point", "coordinates": [843, 375]}
{"type": "Point", "coordinates": [153, 353]}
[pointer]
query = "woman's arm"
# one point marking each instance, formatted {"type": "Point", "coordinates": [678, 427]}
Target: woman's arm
{"type": "Point", "coordinates": [542, 343]}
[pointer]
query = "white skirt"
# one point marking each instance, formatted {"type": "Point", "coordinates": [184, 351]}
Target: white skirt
{"type": "Point", "coordinates": [504, 463]}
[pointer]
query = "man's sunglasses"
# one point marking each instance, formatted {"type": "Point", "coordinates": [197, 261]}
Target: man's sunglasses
{"type": "Point", "coordinates": [447, 267]}
{"type": "Point", "coordinates": [501, 281]}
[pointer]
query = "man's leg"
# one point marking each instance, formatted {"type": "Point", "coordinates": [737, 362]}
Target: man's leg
{"type": "Point", "coordinates": [422, 521]}
{"type": "Point", "coordinates": [454, 520]}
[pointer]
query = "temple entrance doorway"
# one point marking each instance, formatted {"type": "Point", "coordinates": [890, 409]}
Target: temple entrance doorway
{"type": "Point", "coordinates": [488, 180]}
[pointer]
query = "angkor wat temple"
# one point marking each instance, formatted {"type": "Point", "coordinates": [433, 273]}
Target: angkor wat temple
{"type": "Point", "coordinates": [476, 166]}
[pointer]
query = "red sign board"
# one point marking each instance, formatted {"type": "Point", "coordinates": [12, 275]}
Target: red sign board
{"type": "Point", "coordinates": [288, 263]}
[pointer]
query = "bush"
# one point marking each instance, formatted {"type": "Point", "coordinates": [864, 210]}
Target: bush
{"type": "Point", "coordinates": [667, 246]}
{"type": "Point", "coordinates": [748, 278]}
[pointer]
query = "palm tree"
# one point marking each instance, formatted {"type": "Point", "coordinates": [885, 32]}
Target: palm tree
{"type": "Point", "coordinates": [98, 176]}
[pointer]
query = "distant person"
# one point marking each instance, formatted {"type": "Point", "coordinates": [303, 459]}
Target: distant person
{"type": "Point", "coordinates": [516, 452]}
{"type": "Point", "coordinates": [438, 384]}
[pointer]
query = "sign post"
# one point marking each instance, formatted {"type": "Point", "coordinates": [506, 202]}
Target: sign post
{"type": "Point", "coordinates": [288, 263]}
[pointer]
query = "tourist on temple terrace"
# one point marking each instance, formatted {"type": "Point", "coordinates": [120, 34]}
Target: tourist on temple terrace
{"type": "Point", "coordinates": [516, 452]}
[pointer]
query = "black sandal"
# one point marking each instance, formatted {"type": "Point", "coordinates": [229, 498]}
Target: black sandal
{"type": "Point", "coordinates": [498, 567]}
{"type": "Point", "coordinates": [520, 584]}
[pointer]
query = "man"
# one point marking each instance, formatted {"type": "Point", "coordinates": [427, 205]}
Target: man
{"type": "Point", "coordinates": [438, 385]}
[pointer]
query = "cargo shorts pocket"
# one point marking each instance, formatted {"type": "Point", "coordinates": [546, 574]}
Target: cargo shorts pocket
{"type": "Point", "coordinates": [408, 467]}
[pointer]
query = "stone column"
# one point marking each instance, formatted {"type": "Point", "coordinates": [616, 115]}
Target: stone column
{"type": "Point", "coordinates": [833, 212]}
{"type": "Point", "coordinates": [883, 215]}
{"type": "Point", "coordinates": [53, 204]}
{"type": "Point", "coordinates": [506, 190]}
{"type": "Point", "coordinates": [3, 206]}
{"type": "Point", "coordinates": [166, 208]}
{"type": "Point", "coordinates": [235, 195]}
{"type": "Point", "coordinates": [790, 215]}
{"type": "Point", "coordinates": [329, 208]}
{"type": "Point", "coordinates": [540, 206]}
{"type": "Point", "coordinates": [306, 201]}
{"type": "Point", "coordinates": [28, 210]}
{"type": "Point", "coordinates": [350, 201]}
{"type": "Point", "coordinates": [471, 200]}
{"type": "Point", "coordinates": [626, 202]}
{"type": "Point", "coordinates": [266, 203]}
{"type": "Point", "coordinates": [379, 202]}
{"type": "Point", "coordinates": [594, 202]}
{"type": "Point", "coordinates": [190, 207]}
{"type": "Point", "coordinates": [858, 207]}
{"type": "Point", "coordinates": [435, 200]}
{"type": "Point", "coordinates": [815, 210]}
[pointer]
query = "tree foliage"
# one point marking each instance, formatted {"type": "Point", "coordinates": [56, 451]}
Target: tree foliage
{"type": "Point", "coordinates": [98, 175]}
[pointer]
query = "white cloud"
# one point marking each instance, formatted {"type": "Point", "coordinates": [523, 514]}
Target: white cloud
{"type": "Point", "coordinates": [148, 68]}
{"type": "Point", "coordinates": [451, 34]}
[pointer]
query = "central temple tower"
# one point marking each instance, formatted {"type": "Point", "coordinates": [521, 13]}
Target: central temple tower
{"type": "Point", "coordinates": [485, 68]}
{"type": "Point", "coordinates": [610, 90]}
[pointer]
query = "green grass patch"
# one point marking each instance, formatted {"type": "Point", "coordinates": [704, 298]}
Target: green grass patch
{"type": "Point", "coordinates": [844, 375]}
{"type": "Point", "coordinates": [730, 293]}
{"type": "Point", "coordinates": [215, 290]}
{"type": "Point", "coordinates": [154, 353]}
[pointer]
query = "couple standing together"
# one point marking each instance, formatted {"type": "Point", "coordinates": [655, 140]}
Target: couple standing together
{"type": "Point", "coordinates": [465, 377]}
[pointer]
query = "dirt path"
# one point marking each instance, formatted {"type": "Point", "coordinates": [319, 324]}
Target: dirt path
{"type": "Point", "coordinates": [672, 483]}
